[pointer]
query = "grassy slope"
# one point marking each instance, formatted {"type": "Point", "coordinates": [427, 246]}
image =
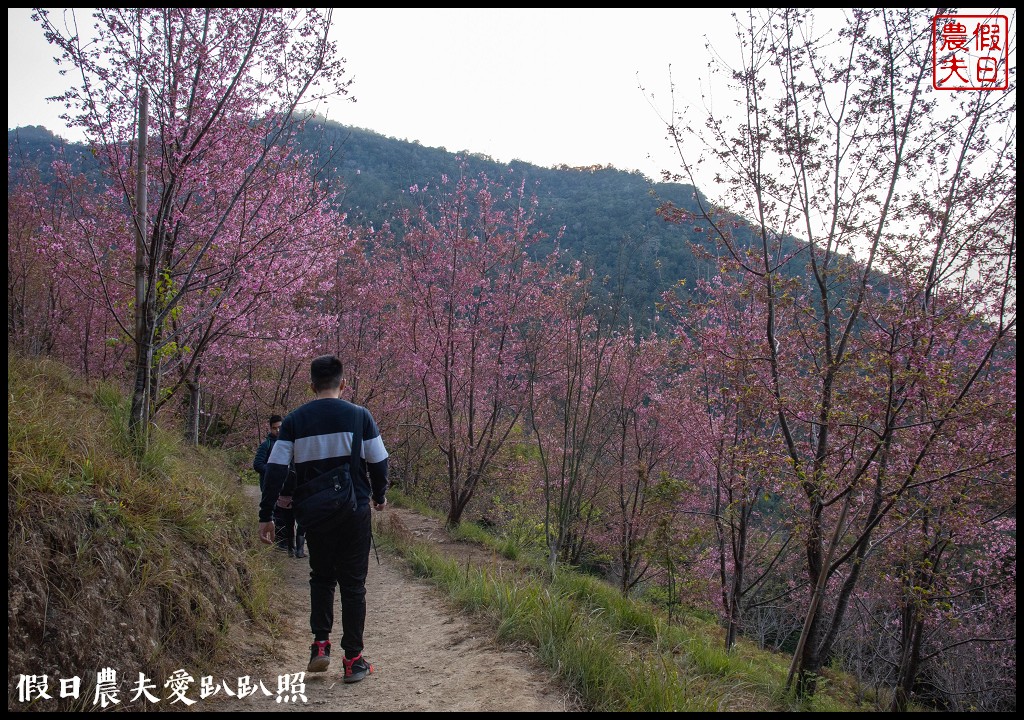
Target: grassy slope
{"type": "Point", "coordinates": [110, 566]}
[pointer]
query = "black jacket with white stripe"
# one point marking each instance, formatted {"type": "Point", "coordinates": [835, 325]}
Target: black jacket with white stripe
{"type": "Point", "coordinates": [317, 437]}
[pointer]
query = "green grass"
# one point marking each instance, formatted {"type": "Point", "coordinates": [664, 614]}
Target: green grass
{"type": "Point", "coordinates": [617, 654]}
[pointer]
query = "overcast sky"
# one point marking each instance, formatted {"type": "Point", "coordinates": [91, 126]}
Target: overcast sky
{"type": "Point", "coordinates": [547, 86]}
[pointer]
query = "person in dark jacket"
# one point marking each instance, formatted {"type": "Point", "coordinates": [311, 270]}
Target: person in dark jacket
{"type": "Point", "coordinates": [259, 463]}
{"type": "Point", "coordinates": [318, 438]}
{"type": "Point", "coordinates": [289, 535]}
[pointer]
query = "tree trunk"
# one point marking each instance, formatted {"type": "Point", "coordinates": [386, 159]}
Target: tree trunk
{"type": "Point", "coordinates": [194, 407]}
{"type": "Point", "coordinates": [807, 656]}
{"type": "Point", "coordinates": [139, 418]}
{"type": "Point", "coordinates": [913, 630]}
{"type": "Point", "coordinates": [739, 563]}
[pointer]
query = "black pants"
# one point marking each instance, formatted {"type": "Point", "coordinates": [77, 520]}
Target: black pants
{"type": "Point", "coordinates": [286, 530]}
{"type": "Point", "coordinates": [340, 557]}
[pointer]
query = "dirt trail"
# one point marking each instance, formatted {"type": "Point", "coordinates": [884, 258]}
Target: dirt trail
{"type": "Point", "coordinates": [427, 656]}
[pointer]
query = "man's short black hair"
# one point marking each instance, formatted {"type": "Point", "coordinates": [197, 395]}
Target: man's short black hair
{"type": "Point", "coordinates": [275, 419]}
{"type": "Point", "coordinates": [325, 372]}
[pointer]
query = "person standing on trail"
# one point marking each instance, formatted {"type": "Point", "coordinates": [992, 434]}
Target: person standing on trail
{"type": "Point", "coordinates": [290, 536]}
{"type": "Point", "coordinates": [317, 437]}
{"type": "Point", "coordinates": [259, 463]}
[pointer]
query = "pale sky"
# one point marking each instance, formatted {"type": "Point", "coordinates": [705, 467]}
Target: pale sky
{"type": "Point", "coordinates": [546, 86]}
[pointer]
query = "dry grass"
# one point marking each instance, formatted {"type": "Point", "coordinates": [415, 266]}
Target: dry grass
{"type": "Point", "coordinates": [110, 565]}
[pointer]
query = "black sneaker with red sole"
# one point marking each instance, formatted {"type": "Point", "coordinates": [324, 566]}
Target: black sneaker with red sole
{"type": "Point", "coordinates": [319, 656]}
{"type": "Point", "coordinates": [356, 669]}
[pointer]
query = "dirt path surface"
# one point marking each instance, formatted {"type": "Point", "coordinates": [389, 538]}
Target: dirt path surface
{"type": "Point", "coordinates": [427, 655]}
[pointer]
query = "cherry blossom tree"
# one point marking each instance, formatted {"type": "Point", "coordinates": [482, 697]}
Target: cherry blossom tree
{"type": "Point", "coordinates": [228, 88]}
{"type": "Point", "coordinates": [642, 460]}
{"type": "Point", "coordinates": [904, 203]}
{"type": "Point", "coordinates": [570, 412]}
{"type": "Point", "coordinates": [940, 582]}
{"type": "Point", "coordinates": [731, 433]}
{"type": "Point", "coordinates": [34, 304]}
{"type": "Point", "coordinates": [58, 300]}
{"type": "Point", "coordinates": [362, 301]}
{"type": "Point", "coordinates": [471, 298]}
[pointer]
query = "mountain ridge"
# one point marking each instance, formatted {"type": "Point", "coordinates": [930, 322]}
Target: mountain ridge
{"type": "Point", "coordinates": [609, 215]}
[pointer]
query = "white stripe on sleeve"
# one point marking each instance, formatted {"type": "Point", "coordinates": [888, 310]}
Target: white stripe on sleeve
{"type": "Point", "coordinates": [374, 450]}
{"type": "Point", "coordinates": [281, 454]}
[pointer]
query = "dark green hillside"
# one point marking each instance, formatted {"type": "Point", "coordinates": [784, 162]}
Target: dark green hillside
{"type": "Point", "coordinates": [33, 146]}
{"type": "Point", "coordinates": [609, 215]}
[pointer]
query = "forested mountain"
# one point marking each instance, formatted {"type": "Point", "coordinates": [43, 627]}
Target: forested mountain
{"type": "Point", "coordinates": [609, 215]}
{"type": "Point", "coordinates": [821, 458]}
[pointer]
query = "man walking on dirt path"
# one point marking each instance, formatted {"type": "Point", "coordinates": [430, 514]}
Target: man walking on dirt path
{"type": "Point", "coordinates": [318, 437]}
